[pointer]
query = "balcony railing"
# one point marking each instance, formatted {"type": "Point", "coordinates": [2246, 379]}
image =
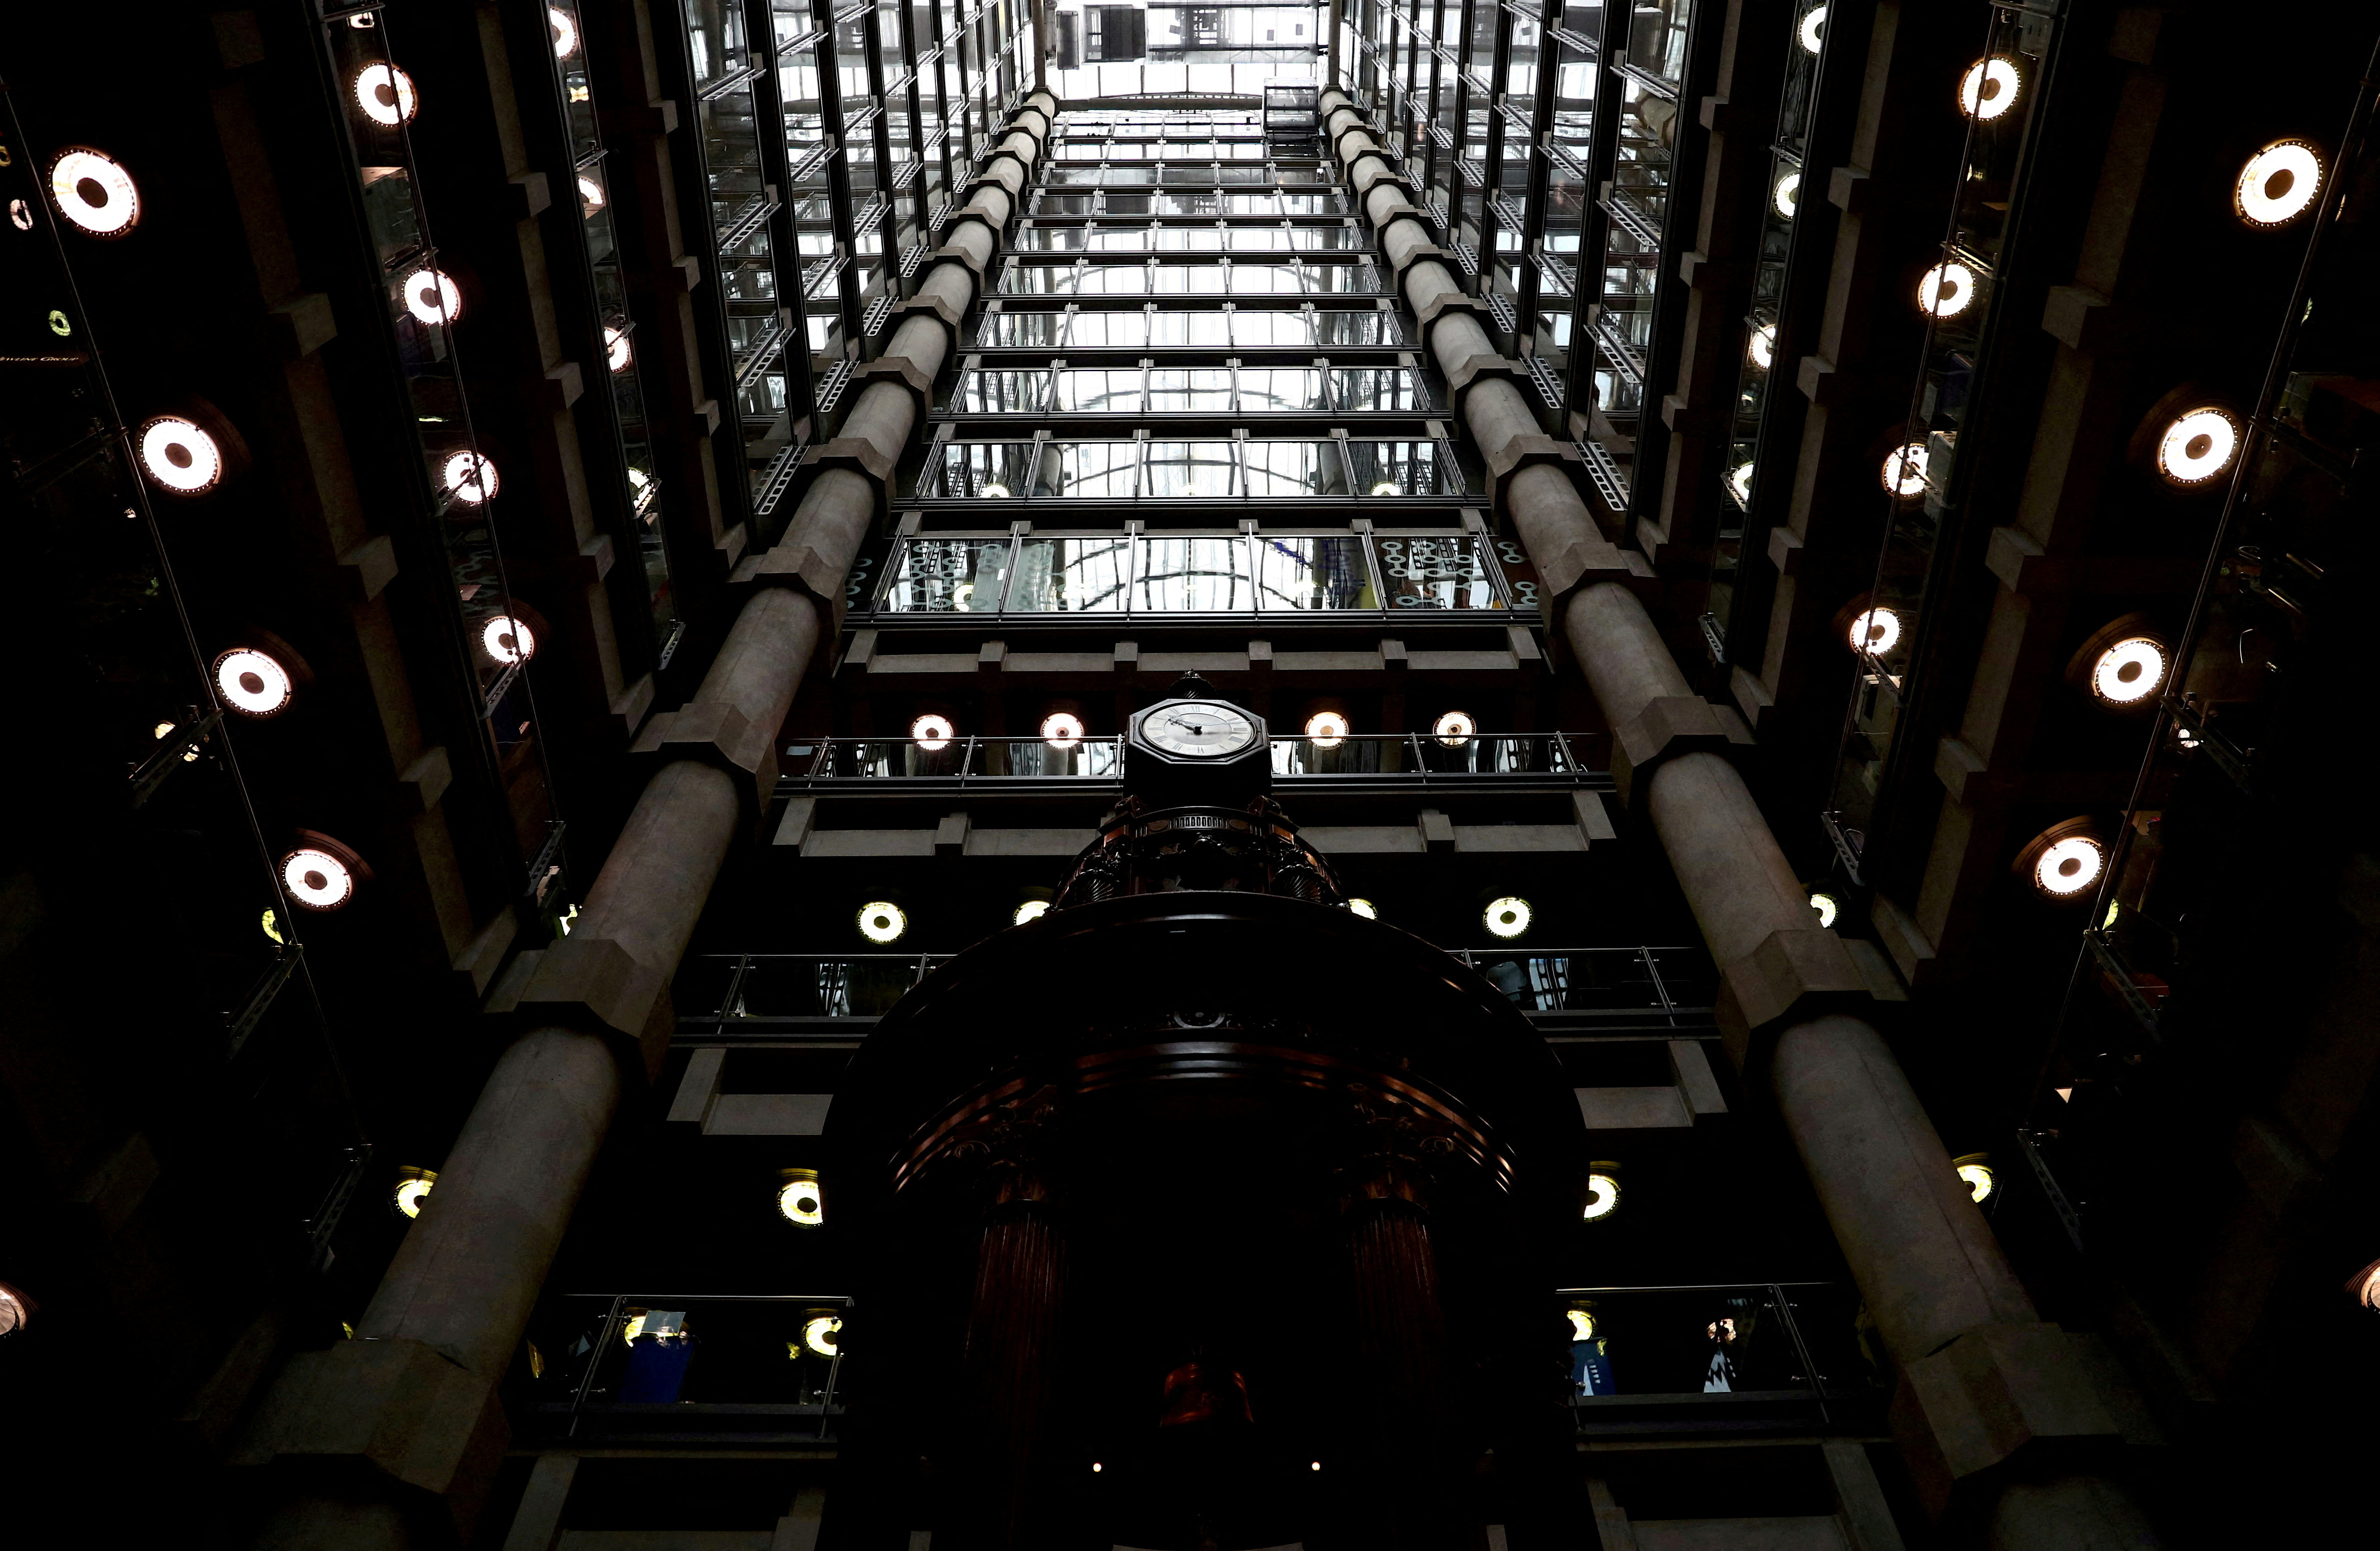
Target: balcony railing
{"type": "Point", "coordinates": [1783, 1356]}
{"type": "Point", "coordinates": [1422, 759]}
{"type": "Point", "coordinates": [1574, 993]}
{"type": "Point", "coordinates": [675, 1368]}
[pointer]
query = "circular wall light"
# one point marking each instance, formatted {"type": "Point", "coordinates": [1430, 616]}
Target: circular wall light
{"type": "Point", "coordinates": [1740, 483]}
{"type": "Point", "coordinates": [471, 478]}
{"type": "Point", "coordinates": [1812, 31]}
{"type": "Point", "coordinates": [433, 298]}
{"type": "Point", "coordinates": [2364, 1287]}
{"type": "Point", "coordinates": [1989, 88]}
{"type": "Point", "coordinates": [1903, 474]}
{"type": "Point", "coordinates": [819, 1333]}
{"type": "Point", "coordinates": [1975, 1173]}
{"type": "Point", "coordinates": [413, 1187]}
{"type": "Point", "coordinates": [591, 194]}
{"type": "Point", "coordinates": [16, 1308]}
{"type": "Point", "coordinates": [2128, 672]}
{"type": "Point", "coordinates": [615, 349]}
{"type": "Point", "coordinates": [1454, 728]}
{"type": "Point", "coordinates": [992, 491]}
{"type": "Point", "coordinates": [1327, 729]}
{"type": "Point", "coordinates": [2064, 860]}
{"type": "Point", "coordinates": [2197, 446]}
{"type": "Point", "coordinates": [20, 215]}
{"type": "Point", "coordinates": [1828, 907]}
{"type": "Point", "coordinates": [508, 639]}
{"type": "Point", "coordinates": [1763, 346]}
{"type": "Point", "coordinates": [321, 874]}
{"type": "Point", "coordinates": [1602, 1192]}
{"type": "Point", "coordinates": [1582, 1324]}
{"type": "Point", "coordinates": [1062, 729]}
{"type": "Point", "coordinates": [385, 93]}
{"type": "Point", "coordinates": [2279, 184]}
{"type": "Point", "coordinates": [932, 731]}
{"type": "Point", "coordinates": [1875, 632]}
{"type": "Point", "coordinates": [252, 682]}
{"type": "Point", "coordinates": [178, 456]}
{"type": "Point", "coordinates": [1363, 908]}
{"type": "Point", "coordinates": [1786, 195]}
{"type": "Point", "coordinates": [1507, 917]}
{"type": "Point", "coordinates": [1032, 910]}
{"type": "Point", "coordinates": [565, 31]}
{"type": "Point", "coordinates": [881, 921]}
{"type": "Point", "coordinates": [1385, 487]}
{"type": "Point", "coordinates": [93, 192]}
{"type": "Point", "coordinates": [799, 1199]}
{"type": "Point", "coordinates": [1947, 289]}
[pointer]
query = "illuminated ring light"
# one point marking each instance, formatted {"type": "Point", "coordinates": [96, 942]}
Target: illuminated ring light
{"type": "Point", "coordinates": [1326, 729]}
{"type": "Point", "coordinates": [178, 456]}
{"type": "Point", "coordinates": [433, 298]}
{"type": "Point", "coordinates": [1989, 88]}
{"type": "Point", "coordinates": [1947, 290]}
{"type": "Point", "coordinates": [1602, 1197]}
{"type": "Point", "coordinates": [1975, 1173]}
{"type": "Point", "coordinates": [15, 1309]}
{"type": "Point", "coordinates": [252, 683]}
{"type": "Point", "coordinates": [565, 31]}
{"type": "Point", "coordinates": [1062, 730]}
{"type": "Point", "coordinates": [1508, 917]}
{"type": "Point", "coordinates": [317, 880]}
{"type": "Point", "coordinates": [1455, 728]}
{"type": "Point", "coordinates": [1824, 903]}
{"type": "Point", "coordinates": [508, 639]}
{"type": "Point", "coordinates": [1787, 196]}
{"type": "Point", "coordinates": [386, 95]}
{"type": "Point", "coordinates": [1386, 487]}
{"type": "Point", "coordinates": [881, 921]}
{"type": "Point", "coordinates": [93, 192]}
{"type": "Point", "coordinates": [993, 490]}
{"type": "Point", "coordinates": [1763, 346]}
{"type": "Point", "coordinates": [1812, 31]}
{"type": "Point", "coordinates": [931, 731]}
{"type": "Point", "coordinates": [2279, 184]}
{"type": "Point", "coordinates": [413, 1187]}
{"type": "Point", "coordinates": [819, 1332]}
{"type": "Point", "coordinates": [1740, 483]}
{"type": "Point", "coordinates": [1904, 471]}
{"type": "Point", "coordinates": [591, 194]}
{"type": "Point", "coordinates": [1875, 632]}
{"type": "Point", "coordinates": [615, 349]}
{"type": "Point", "coordinates": [2068, 866]}
{"type": "Point", "coordinates": [471, 478]}
{"type": "Point", "coordinates": [1582, 1325]}
{"type": "Point", "coordinates": [1363, 908]}
{"type": "Point", "coordinates": [799, 1201]}
{"type": "Point", "coordinates": [20, 215]}
{"type": "Point", "coordinates": [2198, 446]}
{"type": "Point", "coordinates": [2130, 671]}
{"type": "Point", "coordinates": [1032, 910]}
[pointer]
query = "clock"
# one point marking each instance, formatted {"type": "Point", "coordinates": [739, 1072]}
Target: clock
{"type": "Point", "coordinates": [1196, 747]}
{"type": "Point", "coordinates": [1199, 728]}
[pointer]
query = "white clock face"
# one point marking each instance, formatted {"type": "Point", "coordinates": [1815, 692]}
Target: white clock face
{"type": "Point", "coordinates": [1198, 727]}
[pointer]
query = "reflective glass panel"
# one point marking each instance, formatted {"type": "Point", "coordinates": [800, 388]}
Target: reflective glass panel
{"type": "Point", "coordinates": [1099, 390]}
{"type": "Point", "coordinates": [1432, 571]}
{"type": "Point", "coordinates": [1001, 393]}
{"type": "Point", "coordinates": [1024, 330]}
{"type": "Point", "coordinates": [1208, 330]}
{"type": "Point", "coordinates": [1088, 470]}
{"type": "Point", "coordinates": [1399, 469]}
{"type": "Point", "coordinates": [1312, 573]}
{"type": "Point", "coordinates": [1202, 468]}
{"type": "Point", "coordinates": [1109, 331]}
{"type": "Point", "coordinates": [989, 470]}
{"type": "Point", "coordinates": [1070, 576]}
{"type": "Point", "coordinates": [1264, 328]}
{"type": "Point", "coordinates": [1181, 389]}
{"type": "Point", "coordinates": [1378, 388]}
{"type": "Point", "coordinates": [1192, 576]}
{"type": "Point", "coordinates": [1373, 327]}
{"type": "Point", "coordinates": [1278, 389]}
{"type": "Point", "coordinates": [943, 575]}
{"type": "Point", "coordinates": [1287, 468]}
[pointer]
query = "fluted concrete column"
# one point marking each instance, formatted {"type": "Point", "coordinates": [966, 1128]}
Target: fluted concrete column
{"type": "Point", "coordinates": [409, 1408]}
{"type": "Point", "coordinates": [1995, 1394]}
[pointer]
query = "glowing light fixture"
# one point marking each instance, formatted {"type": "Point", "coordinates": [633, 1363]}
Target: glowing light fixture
{"type": "Point", "coordinates": [15, 1309]}
{"type": "Point", "coordinates": [1313, 1464]}
{"type": "Point", "coordinates": [93, 192]}
{"type": "Point", "coordinates": [799, 1199]}
{"type": "Point", "coordinates": [2279, 184]}
{"type": "Point", "coordinates": [1812, 31]}
{"type": "Point", "coordinates": [2197, 446]}
{"type": "Point", "coordinates": [1062, 729]}
{"type": "Point", "coordinates": [2068, 866]}
{"type": "Point", "coordinates": [317, 880]}
{"type": "Point", "coordinates": [1602, 1194]}
{"type": "Point", "coordinates": [993, 490]}
{"type": "Point", "coordinates": [271, 922]}
{"type": "Point", "coordinates": [615, 349]}
{"type": "Point", "coordinates": [565, 31]}
{"type": "Point", "coordinates": [385, 93]}
{"type": "Point", "coordinates": [433, 298]}
{"type": "Point", "coordinates": [507, 639]}
{"type": "Point", "coordinates": [1904, 471]}
{"type": "Point", "coordinates": [1454, 728]}
{"type": "Point", "coordinates": [1947, 289]}
{"type": "Point", "coordinates": [932, 731]}
{"type": "Point", "coordinates": [1097, 1467]}
{"type": "Point", "coordinates": [20, 215]}
{"type": "Point", "coordinates": [1032, 910]}
{"type": "Point", "coordinates": [819, 1333]}
{"type": "Point", "coordinates": [1875, 632]}
{"type": "Point", "coordinates": [1786, 195]}
{"type": "Point", "coordinates": [881, 921]}
{"type": "Point", "coordinates": [591, 194]}
{"type": "Point", "coordinates": [473, 478]}
{"type": "Point", "coordinates": [2364, 1287]}
{"type": "Point", "coordinates": [178, 456]}
{"type": "Point", "coordinates": [1582, 1325]}
{"type": "Point", "coordinates": [1825, 904]}
{"type": "Point", "coordinates": [1386, 487]}
{"type": "Point", "coordinates": [1989, 88]}
{"type": "Point", "coordinates": [1508, 917]}
{"type": "Point", "coordinates": [1740, 483]}
{"type": "Point", "coordinates": [252, 683]}
{"type": "Point", "coordinates": [1975, 1173]}
{"type": "Point", "coordinates": [1326, 729]}
{"type": "Point", "coordinates": [412, 1189]}
{"type": "Point", "coordinates": [2130, 671]}
{"type": "Point", "coordinates": [1763, 346]}
{"type": "Point", "coordinates": [1363, 908]}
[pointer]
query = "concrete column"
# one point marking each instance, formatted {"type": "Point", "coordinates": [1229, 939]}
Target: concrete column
{"type": "Point", "coordinates": [409, 1408]}
{"type": "Point", "coordinates": [1985, 1381]}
